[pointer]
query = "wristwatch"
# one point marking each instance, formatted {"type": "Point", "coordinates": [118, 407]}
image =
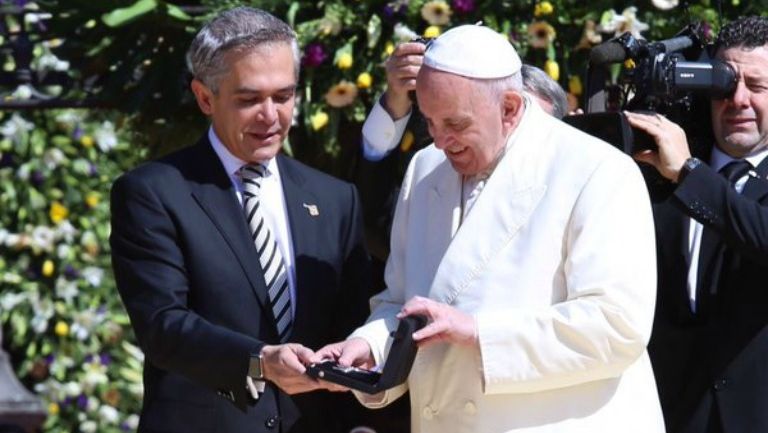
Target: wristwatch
{"type": "Point", "coordinates": [254, 367]}
{"type": "Point", "coordinates": [688, 166]}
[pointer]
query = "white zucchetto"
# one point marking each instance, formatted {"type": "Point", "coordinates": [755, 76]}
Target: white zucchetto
{"type": "Point", "coordinates": [473, 51]}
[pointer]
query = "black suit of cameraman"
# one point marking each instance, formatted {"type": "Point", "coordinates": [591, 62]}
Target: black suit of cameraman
{"type": "Point", "coordinates": [710, 349]}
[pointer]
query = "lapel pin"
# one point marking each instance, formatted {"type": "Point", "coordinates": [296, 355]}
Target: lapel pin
{"type": "Point", "coordinates": [312, 209]}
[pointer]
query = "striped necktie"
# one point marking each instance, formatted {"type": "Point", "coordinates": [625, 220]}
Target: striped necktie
{"type": "Point", "coordinates": [270, 258]}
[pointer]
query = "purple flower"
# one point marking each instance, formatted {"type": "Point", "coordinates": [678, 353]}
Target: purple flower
{"type": "Point", "coordinates": [94, 170]}
{"type": "Point", "coordinates": [6, 160]}
{"type": "Point", "coordinates": [105, 359]}
{"type": "Point", "coordinates": [463, 6]}
{"type": "Point", "coordinates": [88, 359]}
{"type": "Point", "coordinates": [314, 55]}
{"type": "Point", "coordinates": [50, 358]}
{"type": "Point", "coordinates": [392, 11]}
{"type": "Point", "coordinates": [82, 401]}
{"type": "Point", "coordinates": [77, 134]}
{"type": "Point", "coordinates": [70, 272]}
{"type": "Point", "coordinates": [37, 177]}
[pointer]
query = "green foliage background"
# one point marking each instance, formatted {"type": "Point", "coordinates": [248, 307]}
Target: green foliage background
{"type": "Point", "coordinates": [63, 322]}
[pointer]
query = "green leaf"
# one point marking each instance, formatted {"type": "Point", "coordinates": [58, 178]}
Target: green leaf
{"type": "Point", "coordinates": [374, 31]}
{"type": "Point", "coordinates": [122, 16]}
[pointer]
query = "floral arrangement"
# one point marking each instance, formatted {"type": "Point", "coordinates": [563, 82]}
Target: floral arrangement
{"type": "Point", "coordinates": [65, 325]}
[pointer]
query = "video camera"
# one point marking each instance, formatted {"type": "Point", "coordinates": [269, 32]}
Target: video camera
{"type": "Point", "coordinates": [656, 77]}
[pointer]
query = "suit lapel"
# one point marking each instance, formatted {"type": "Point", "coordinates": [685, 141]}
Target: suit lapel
{"type": "Point", "coordinates": [506, 203]}
{"type": "Point", "coordinates": [302, 220]}
{"type": "Point", "coordinates": [215, 194]}
{"type": "Point", "coordinates": [757, 188]}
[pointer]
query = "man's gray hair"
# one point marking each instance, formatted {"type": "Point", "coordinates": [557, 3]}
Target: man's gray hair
{"type": "Point", "coordinates": [238, 29]}
{"type": "Point", "coordinates": [496, 87]}
{"type": "Point", "coordinates": [541, 85]}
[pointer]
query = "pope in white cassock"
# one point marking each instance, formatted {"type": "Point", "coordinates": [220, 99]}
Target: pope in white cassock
{"type": "Point", "coordinates": [529, 246]}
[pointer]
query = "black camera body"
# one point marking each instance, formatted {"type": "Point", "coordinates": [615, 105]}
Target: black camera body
{"type": "Point", "coordinates": [674, 77]}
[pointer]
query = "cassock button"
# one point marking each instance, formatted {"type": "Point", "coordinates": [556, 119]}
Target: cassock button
{"type": "Point", "coordinates": [428, 413]}
{"type": "Point", "coordinates": [271, 422]}
{"type": "Point", "coordinates": [470, 408]}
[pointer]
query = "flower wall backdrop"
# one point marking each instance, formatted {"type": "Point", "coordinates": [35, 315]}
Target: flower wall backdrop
{"type": "Point", "coordinates": [63, 322]}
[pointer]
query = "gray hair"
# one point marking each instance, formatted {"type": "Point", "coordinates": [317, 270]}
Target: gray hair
{"type": "Point", "coordinates": [496, 87]}
{"type": "Point", "coordinates": [543, 86]}
{"type": "Point", "coordinates": [239, 29]}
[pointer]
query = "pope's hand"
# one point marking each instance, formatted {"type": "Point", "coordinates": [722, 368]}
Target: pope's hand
{"type": "Point", "coordinates": [445, 323]}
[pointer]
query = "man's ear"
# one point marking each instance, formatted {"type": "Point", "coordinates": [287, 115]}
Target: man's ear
{"type": "Point", "coordinates": [512, 109]}
{"type": "Point", "coordinates": [203, 95]}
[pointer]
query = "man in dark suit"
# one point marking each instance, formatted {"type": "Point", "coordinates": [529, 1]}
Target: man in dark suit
{"type": "Point", "coordinates": [234, 261]}
{"type": "Point", "coordinates": [710, 341]}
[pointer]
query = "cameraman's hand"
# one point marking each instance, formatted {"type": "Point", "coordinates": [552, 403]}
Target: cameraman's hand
{"type": "Point", "coordinates": [402, 67]}
{"type": "Point", "coordinates": [669, 137]}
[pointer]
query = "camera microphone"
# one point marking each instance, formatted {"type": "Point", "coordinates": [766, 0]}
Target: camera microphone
{"type": "Point", "coordinates": [626, 46]}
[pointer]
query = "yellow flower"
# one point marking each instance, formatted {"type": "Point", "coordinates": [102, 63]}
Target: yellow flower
{"type": "Point", "coordinates": [364, 80]}
{"type": "Point", "coordinates": [87, 141]}
{"type": "Point", "coordinates": [432, 32]}
{"type": "Point", "coordinates": [407, 141]}
{"type": "Point", "coordinates": [319, 120]}
{"type": "Point", "coordinates": [575, 86]}
{"type": "Point", "coordinates": [543, 8]}
{"type": "Point", "coordinates": [58, 212]}
{"type": "Point", "coordinates": [552, 69]}
{"type": "Point", "coordinates": [541, 34]}
{"type": "Point", "coordinates": [436, 12]}
{"type": "Point", "coordinates": [61, 329]}
{"type": "Point", "coordinates": [53, 408]}
{"type": "Point", "coordinates": [344, 61]}
{"type": "Point", "coordinates": [92, 199]}
{"type": "Point", "coordinates": [341, 94]}
{"type": "Point", "coordinates": [389, 48]}
{"type": "Point", "coordinates": [48, 268]}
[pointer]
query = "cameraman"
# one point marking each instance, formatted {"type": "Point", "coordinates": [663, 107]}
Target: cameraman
{"type": "Point", "coordinates": [710, 341]}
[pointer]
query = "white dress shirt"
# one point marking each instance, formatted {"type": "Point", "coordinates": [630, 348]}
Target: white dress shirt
{"type": "Point", "coordinates": [718, 160]}
{"type": "Point", "coordinates": [381, 133]}
{"type": "Point", "coordinates": [272, 204]}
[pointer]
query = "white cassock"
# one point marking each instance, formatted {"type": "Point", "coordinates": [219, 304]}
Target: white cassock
{"type": "Point", "coordinates": [556, 262]}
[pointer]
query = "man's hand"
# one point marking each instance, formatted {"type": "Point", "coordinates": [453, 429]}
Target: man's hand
{"type": "Point", "coordinates": [353, 352]}
{"type": "Point", "coordinates": [669, 137]}
{"type": "Point", "coordinates": [446, 323]}
{"type": "Point", "coordinates": [283, 365]}
{"type": "Point", "coordinates": [402, 67]}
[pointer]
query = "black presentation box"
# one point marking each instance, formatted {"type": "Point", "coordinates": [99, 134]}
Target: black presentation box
{"type": "Point", "coordinates": [396, 367]}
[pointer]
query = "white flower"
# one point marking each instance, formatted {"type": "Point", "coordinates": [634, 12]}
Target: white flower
{"type": "Point", "coordinates": [69, 117]}
{"type": "Point", "coordinates": [95, 374]}
{"type": "Point", "coordinates": [49, 61]}
{"type": "Point", "coordinates": [3, 235]}
{"type": "Point", "coordinates": [403, 33]}
{"type": "Point", "coordinates": [611, 22]}
{"type": "Point", "coordinates": [436, 12]}
{"type": "Point", "coordinates": [664, 5]}
{"type": "Point", "coordinates": [132, 421]}
{"type": "Point", "coordinates": [11, 300]}
{"type": "Point", "coordinates": [23, 172]}
{"type": "Point", "coordinates": [88, 426]}
{"type": "Point", "coordinates": [52, 158]}
{"type": "Point", "coordinates": [93, 275]}
{"type": "Point", "coordinates": [72, 389]}
{"type": "Point", "coordinates": [64, 252]}
{"type": "Point", "coordinates": [43, 238]}
{"type": "Point", "coordinates": [65, 230]}
{"type": "Point", "coordinates": [93, 403]}
{"type": "Point", "coordinates": [105, 136]}
{"type": "Point", "coordinates": [66, 290]}
{"type": "Point", "coordinates": [15, 126]}
{"type": "Point", "coordinates": [23, 92]}
{"type": "Point", "coordinates": [108, 414]}
{"type": "Point", "coordinates": [43, 309]}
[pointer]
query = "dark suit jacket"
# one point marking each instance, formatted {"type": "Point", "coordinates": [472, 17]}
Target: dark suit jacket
{"type": "Point", "coordinates": [716, 360]}
{"type": "Point", "coordinates": [188, 273]}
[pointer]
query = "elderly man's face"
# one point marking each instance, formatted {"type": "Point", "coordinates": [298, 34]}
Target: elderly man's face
{"type": "Point", "coordinates": [463, 120]}
{"type": "Point", "coordinates": [740, 123]}
{"type": "Point", "coordinates": [252, 111]}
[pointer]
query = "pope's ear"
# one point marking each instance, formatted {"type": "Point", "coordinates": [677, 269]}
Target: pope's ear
{"type": "Point", "coordinates": [512, 107]}
{"type": "Point", "coordinates": [203, 95]}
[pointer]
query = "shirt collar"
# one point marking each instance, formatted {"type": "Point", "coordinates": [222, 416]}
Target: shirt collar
{"type": "Point", "coordinates": [231, 163]}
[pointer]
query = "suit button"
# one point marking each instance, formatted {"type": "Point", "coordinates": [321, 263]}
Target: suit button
{"type": "Point", "coordinates": [271, 422]}
{"type": "Point", "coordinates": [721, 384]}
{"type": "Point", "coordinates": [470, 408]}
{"type": "Point", "coordinates": [427, 413]}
